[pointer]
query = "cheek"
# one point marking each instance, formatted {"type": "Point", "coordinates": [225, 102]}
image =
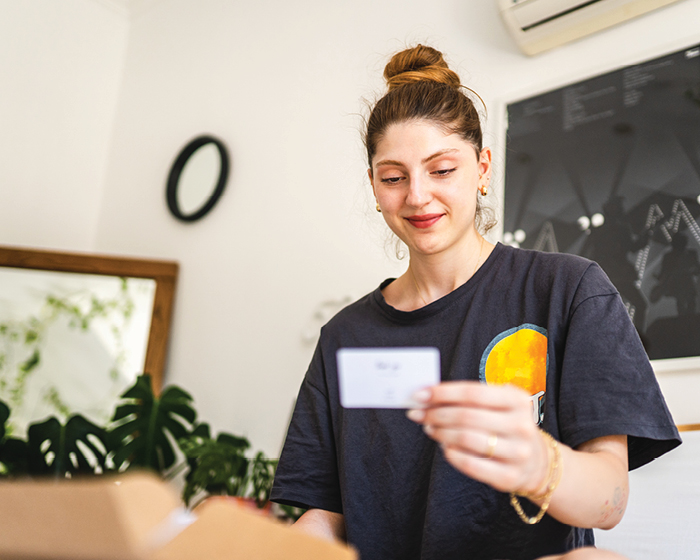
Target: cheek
{"type": "Point", "coordinates": [388, 199]}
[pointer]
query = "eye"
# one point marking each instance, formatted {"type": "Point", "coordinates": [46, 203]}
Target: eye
{"type": "Point", "coordinates": [443, 172]}
{"type": "Point", "coordinates": [391, 180]}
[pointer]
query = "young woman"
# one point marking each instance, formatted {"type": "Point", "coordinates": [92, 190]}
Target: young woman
{"type": "Point", "coordinates": [547, 396]}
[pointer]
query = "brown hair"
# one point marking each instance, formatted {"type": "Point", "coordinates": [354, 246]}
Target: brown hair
{"type": "Point", "coordinates": [422, 87]}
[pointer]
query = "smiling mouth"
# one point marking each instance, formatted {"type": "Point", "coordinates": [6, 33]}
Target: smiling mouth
{"type": "Point", "coordinates": [424, 221]}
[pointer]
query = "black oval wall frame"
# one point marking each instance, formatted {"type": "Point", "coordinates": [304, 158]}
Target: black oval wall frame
{"type": "Point", "coordinates": [176, 171]}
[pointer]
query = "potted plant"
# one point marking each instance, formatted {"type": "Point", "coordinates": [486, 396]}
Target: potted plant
{"type": "Point", "coordinates": [141, 434]}
{"type": "Point", "coordinates": [219, 467]}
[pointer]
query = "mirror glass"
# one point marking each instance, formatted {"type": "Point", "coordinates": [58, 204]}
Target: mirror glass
{"type": "Point", "coordinates": [77, 329]}
{"type": "Point", "coordinates": [70, 343]}
{"type": "Point", "coordinates": [198, 179]}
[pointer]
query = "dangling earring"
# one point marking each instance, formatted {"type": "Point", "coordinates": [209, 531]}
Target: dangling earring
{"type": "Point", "coordinates": [484, 188]}
{"type": "Point", "coordinates": [378, 208]}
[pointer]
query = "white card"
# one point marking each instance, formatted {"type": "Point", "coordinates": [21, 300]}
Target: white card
{"type": "Point", "coordinates": [385, 377]}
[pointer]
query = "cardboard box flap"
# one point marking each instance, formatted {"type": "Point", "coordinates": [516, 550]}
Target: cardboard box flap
{"type": "Point", "coordinates": [139, 517]}
{"type": "Point", "coordinates": [61, 520]}
{"type": "Point", "coordinates": [224, 531]}
{"type": "Point", "coordinates": [146, 507]}
{"type": "Point", "coordinates": [88, 519]}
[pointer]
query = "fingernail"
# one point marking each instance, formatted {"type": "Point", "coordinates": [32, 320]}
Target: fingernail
{"type": "Point", "coordinates": [421, 396]}
{"type": "Point", "coordinates": [428, 429]}
{"type": "Point", "coordinates": [415, 415]}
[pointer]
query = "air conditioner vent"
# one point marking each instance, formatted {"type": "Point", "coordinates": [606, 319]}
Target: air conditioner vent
{"type": "Point", "coordinates": [539, 25]}
{"type": "Point", "coordinates": [531, 14]}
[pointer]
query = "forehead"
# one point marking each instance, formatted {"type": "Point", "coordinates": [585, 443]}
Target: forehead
{"type": "Point", "coordinates": [420, 139]}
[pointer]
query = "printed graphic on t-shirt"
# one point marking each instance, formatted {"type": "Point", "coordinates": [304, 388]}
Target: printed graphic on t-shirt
{"type": "Point", "coordinates": [518, 356]}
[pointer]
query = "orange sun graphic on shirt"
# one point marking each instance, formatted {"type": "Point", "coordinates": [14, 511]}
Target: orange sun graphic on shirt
{"type": "Point", "coordinates": [518, 357]}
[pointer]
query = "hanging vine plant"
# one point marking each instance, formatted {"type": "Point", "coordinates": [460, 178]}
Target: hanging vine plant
{"type": "Point", "coordinates": [22, 341]}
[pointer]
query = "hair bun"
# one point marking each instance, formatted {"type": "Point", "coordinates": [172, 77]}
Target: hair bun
{"type": "Point", "coordinates": [417, 64]}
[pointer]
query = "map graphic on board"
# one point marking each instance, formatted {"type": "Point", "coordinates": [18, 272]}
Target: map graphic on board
{"type": "Point", "coordinates": [609, 168]}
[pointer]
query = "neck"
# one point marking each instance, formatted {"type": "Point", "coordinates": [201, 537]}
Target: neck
{"type": "Point", "coordinates": [439, 274]}
{"type": "Point", "coordinates": [431, 277]}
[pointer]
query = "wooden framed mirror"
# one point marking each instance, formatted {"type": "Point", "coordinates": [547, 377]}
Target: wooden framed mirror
{"type": "Point", "coordinates": [77, 329]}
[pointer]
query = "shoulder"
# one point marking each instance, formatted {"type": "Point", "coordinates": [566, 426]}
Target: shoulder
{"type": "Point", "coordinates": [559, 263]}
{"type": "Point", "coordinates": [352, 315]}
{"type": "Point", "coordinates": [561, 271]}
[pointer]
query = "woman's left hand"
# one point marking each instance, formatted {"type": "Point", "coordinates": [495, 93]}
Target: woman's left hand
{"type": "Point", "coordinates": [486, 432]}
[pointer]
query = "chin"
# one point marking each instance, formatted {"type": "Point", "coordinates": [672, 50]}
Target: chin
{"type": "Point", "coordinates": [425, 248]}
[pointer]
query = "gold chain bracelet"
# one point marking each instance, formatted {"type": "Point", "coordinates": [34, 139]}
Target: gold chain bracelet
{"type": "Point", "coordinates": [552, 481]}
{"type": "Point", "coordinates": [552, 464]}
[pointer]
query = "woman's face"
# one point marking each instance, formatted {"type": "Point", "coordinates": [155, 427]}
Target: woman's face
{"type": "Point", "coordinates": [426, 182]}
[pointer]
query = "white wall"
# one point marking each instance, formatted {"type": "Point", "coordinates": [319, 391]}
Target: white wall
{"type": "Point", "coordinates": [663, 512]}
{"type": "Point", "coordinates": [60, 70]}
{"type": "Point", "coordinates": [281, 83]}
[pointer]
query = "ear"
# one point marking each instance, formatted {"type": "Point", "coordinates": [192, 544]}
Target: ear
{"type": "Point", "coordinates": [484, 165]}
{"type": "Point", "coordinates": [371, 180]}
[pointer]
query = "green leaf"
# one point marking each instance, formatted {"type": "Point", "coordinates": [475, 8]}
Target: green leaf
{"type": "Point", "coordinates": [215, 466]}
{"type": "Point", "coordinates": [14, 456]}
{"type": "Point", "coordinates": [31, 363]}
{"type": "Point", "coordinates": [55, 448]}
{"type": "Point", "coordinates": [31, 336]}
{"type": "Point", "coordinates": [143, 422]}
{"type": "Point", "coordinates": [202, 430]}
{"type": "Point", "coordinates": [4, 415]}
{"type": "Point", "coordinates": [262, 477]}
{"type": "Point", "coordinates": [234, 441]}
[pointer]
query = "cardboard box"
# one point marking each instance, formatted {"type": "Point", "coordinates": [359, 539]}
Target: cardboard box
{"type": "Point", "coordinates": [138, 517]}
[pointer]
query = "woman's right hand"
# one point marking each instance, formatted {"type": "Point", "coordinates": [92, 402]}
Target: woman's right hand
{"type": "Point", "coordinates": [486, 432]}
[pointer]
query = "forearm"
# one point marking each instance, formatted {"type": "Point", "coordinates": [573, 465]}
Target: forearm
{"type": "Point", "coordinates": [322, 524]}
{"type": "Point", "coordinates": [593, 489]}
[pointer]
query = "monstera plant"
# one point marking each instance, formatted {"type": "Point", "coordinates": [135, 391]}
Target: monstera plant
{"type": "Point", "coordinates": [13, 451]}
{"type": "Point", "coordinates": [141, 424]}
{"type": "Point", "coordinates": [54, 448]}
{"type": "Point", "coordinates": [147, 431]}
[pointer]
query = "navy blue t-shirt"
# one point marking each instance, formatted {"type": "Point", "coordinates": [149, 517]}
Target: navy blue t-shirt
{"type": "Point", "coordinates": [550, 323]}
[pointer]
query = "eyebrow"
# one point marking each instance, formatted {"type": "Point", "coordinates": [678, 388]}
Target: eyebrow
{"type": "Point", "coordinates": [426, 160]}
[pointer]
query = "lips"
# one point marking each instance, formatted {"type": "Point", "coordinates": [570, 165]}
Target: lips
{"type": "Point", "coordinates": [424, 221]}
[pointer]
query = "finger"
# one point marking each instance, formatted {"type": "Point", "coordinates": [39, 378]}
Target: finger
{"type": "Point", "coordinates": [475, 442]}
{"type": "Point", "coordinates": [486, 420]}
{"type": "Point", "coordinates": [471, 393]}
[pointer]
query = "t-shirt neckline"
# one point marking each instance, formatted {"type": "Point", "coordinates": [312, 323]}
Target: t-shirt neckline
{"type": "Point", "coordinates": [438, 305]}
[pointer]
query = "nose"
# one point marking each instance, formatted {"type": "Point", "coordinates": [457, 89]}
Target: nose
{"type": "Point", "coordinates": [418, 194]}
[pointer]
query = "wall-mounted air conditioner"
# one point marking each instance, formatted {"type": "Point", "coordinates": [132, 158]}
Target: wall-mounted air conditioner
{"type": "Point", "coordinates": [538, 25]}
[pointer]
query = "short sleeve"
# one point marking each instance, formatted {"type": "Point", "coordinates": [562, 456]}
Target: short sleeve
{"type": "Point", "coordinates": [607, 384]}
{"type": "Point", "coordinates": [307, 473]}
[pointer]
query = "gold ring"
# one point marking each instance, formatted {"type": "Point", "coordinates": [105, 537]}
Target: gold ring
{"type": "Point", "coordinates": [492, 442]}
